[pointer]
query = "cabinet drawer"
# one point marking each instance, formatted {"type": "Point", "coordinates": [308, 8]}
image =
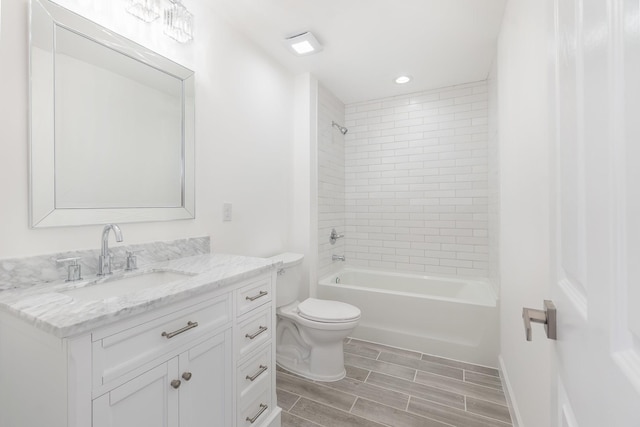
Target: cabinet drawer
{"type": "Point", "coordinates": [255, 372]}
{"type": "Point", "coordinates": [254, 332]}
{"type": "Point", "coordinates": [126, 350]}
{"type": "Point", "coordinates": [255, 408]}
{"type": "Point", "coordinates": [253, 295]}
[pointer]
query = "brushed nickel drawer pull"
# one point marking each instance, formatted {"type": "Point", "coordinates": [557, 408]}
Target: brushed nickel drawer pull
{"type": "Point", "coordinates": [190, 325]}
{"type": "Point", "coordinates": [257, 374]}
{"type": "Point", "coordinates": [186, 376]}
{"type": "Point", "coordinates": [176, 384]}
{"type": "Point", "coordinates": [263, 408]}
{"type": "Point", "coordinates": [256, 333]}
{"type": "Point", "coordinates": [255, 297]}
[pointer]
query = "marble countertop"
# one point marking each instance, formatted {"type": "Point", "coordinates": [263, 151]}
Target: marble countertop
{"type": "Point", "coordinates": [47, 307]}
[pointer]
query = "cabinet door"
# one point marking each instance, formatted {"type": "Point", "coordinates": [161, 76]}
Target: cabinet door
{"type": "Point", "coordinates": [146, 401]}
{"type": "Point", "coordinates": [206, 396]}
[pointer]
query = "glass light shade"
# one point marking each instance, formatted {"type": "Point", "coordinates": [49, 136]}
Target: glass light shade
{"type": "Point", "coordinates": [146, 10]}
{"type": "Point", "coordinates": [178, 22]}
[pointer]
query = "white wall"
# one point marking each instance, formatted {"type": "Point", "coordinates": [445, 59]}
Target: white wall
{"type": "Point", "coordinates": [416, 182]}
{"type": "Point", "coordinates": [524, 144]}
{"type": "Point", "coordinates": [244, 137]}
{"type": "Point", "coordinates": [493, 180]}
{"type": "Point", "coordinates": [304, 218]}
{"type": "Point", "coordinates": [331, 184]}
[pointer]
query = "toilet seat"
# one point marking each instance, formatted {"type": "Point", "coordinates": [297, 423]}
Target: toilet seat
{"type": "Point", "coordinates": [328, 311]}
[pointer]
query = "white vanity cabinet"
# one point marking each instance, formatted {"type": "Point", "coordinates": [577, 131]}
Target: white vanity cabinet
{"type": "Point", "coordinates": [207, 361]}
{"type": "Point", "coordinates": [188, 390]}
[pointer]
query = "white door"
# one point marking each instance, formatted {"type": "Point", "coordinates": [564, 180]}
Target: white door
{"type": "Point", "coordinates": [596, 287]}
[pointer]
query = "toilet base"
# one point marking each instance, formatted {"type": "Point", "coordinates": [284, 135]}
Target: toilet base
{"type": "Point", "coordinates": [319, 363]}
{"type": "Point", "coordinates": [310, 348]}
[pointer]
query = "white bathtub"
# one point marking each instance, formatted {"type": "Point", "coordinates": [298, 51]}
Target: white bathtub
{"type": "Point", "coordinates": [448, 317]}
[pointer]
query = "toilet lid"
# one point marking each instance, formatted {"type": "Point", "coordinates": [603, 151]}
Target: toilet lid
{"type": "Point", "coordinates": [327, 311]}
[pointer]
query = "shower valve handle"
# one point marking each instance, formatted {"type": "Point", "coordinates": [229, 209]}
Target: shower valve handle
{"type": "Point", "coordinates": [334, 236]}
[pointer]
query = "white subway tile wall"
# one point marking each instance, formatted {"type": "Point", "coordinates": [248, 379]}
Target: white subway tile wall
{"type": "Point", "coordinates": [416, 182]}
{"type": "Point", "coordinates": [331, 185]}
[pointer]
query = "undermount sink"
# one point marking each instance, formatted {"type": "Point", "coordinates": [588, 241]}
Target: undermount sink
{"type": "Point", "coordinates": [120, 286]}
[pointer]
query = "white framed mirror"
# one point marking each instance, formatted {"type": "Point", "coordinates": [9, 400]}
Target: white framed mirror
{"type": "Point", "coordinates": [112, 126]}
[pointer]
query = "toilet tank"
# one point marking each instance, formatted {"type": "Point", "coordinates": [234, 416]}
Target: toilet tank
{"type": "Point", "coordinates": [289, 278]}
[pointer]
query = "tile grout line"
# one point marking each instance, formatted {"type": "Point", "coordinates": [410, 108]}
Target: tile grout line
{"type": "Point", "coordinates": [427, 355]}
{"type": "Point", "coordinates": [385, 346]}
{"type": "Point", "coordinates": [418, 397]}
{"type": "Point", "coordinates": [294, 403]}
{"type": "Point", "coordinates": [462, 382]}
{"type": "Point", "coordinates": [353, 404]}
{"type": "Point", "coordinates": [484, 400]}
{"type": "Point", "coordinates": [488, 418]}
{"type": "Point", "coordinates": [333, 407]}
{"type": "Point", "coordinates": [356, 396]}
{"type": "Point", "coordinates": [423, 415]}
{"type": "Point", "coordinates": [306, 419]}
{"type": "Point", "coordinates": [391, 375]}
{"type": "Point", "coordinates": [423, 397]}
{"type": "Point", "coordinates": [496, 387]}
{"type": "Point", "coordinates": [414, 414]}
{"type": "Point", "coordinates": [485, 417]}
{"type": "Point", "coordinates": [408, 367]}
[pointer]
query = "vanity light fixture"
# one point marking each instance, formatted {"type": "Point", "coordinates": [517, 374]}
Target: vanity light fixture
{"type": "Point", "coordinates": [303, 44]}
{"type": "Point", "coordinates": [178, 22]}
{"type": "Point", "coordinates": [146, 10]}
{"type": "Point", "coordinates": [401, 80]}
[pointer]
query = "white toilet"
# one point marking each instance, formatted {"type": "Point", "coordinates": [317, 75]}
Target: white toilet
{"type": "Point", "coordinates": [309, 334]}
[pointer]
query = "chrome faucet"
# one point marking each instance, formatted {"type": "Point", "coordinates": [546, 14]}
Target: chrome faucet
{"type": "Point", "coordinates": [104, 261]}
{"type": "Point", "coordinates": [338, 258]}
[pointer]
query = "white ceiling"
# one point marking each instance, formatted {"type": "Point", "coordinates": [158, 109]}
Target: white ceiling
{"type": "Point", "coordinates": [367, 43]}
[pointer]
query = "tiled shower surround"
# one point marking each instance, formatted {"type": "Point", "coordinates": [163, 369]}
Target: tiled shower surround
{"type": "Point", "coordinates": [331, 198]}
{"type": "Point", "coordinates": [416, 179]}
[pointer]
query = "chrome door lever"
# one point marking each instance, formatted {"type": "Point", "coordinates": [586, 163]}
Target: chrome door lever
{"type": "Point", "coordinates": [546, 317]}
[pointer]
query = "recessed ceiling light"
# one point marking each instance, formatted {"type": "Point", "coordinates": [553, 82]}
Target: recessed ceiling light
{"type": "Point", "coordinates": [303, 44]}
{"type": "Point", "coordinates": [403, 80]}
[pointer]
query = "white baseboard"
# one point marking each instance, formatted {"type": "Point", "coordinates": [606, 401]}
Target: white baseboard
{"type": "Point", "coordinates": [516, 419]}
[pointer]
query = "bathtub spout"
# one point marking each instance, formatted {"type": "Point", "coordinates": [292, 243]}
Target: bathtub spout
{"type": "Point", "coordinates": [338, 258]}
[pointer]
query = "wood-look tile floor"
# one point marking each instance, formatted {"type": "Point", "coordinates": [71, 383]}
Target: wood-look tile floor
{"type": "Point", "coordinates": [386, 386]}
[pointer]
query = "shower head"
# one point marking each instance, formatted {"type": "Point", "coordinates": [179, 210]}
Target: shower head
{"type": "Point", "coordinates": [342, 129]}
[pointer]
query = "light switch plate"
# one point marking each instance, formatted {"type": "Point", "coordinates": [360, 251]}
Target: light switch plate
{"type": "Point", "coordinates": [226, 211]}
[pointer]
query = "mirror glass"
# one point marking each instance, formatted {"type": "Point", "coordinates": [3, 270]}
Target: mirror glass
{"type": "Point", "coordinates": [111, 126]}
